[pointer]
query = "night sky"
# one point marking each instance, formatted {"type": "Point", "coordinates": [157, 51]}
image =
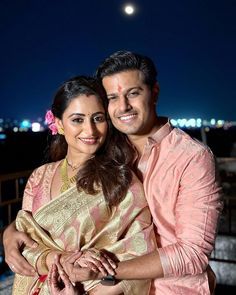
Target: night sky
{"type": "Point", "coordinates": [192, 42]}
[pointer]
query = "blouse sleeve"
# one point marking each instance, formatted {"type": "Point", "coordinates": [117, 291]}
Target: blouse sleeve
{"type": "Point", "coordinates": [28, 194]}
{"type": "Point", "coordinates": [25, 221]}
{"type": "Point", "coordinates": [32, 187]}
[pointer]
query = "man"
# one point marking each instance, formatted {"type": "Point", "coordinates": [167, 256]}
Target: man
{"type": "Point", "coordinates": [179, 179]}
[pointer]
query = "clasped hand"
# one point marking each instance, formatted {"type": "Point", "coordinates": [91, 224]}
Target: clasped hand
{"type": "Point", "coordinates": [77, 267]}
{"type": "Point", "coordinates": [91, 264]}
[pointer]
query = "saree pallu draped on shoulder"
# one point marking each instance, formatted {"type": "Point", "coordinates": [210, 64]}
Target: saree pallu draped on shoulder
{"type": "Point", "coordinates": [80, 221]}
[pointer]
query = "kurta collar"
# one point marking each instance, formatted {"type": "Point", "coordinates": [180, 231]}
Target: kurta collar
{"type": "Point", "coordinates": [161, 133]}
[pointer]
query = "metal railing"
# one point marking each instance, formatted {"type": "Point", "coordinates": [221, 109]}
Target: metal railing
{"type": "Point", "coordinates": [11, 192]}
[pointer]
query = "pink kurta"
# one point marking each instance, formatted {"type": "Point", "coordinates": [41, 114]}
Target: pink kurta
{"type": "Point", "coordinates": [184, 197]}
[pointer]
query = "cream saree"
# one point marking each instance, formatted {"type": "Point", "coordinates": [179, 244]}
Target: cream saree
{"type": "Point", "coordinates": [80, 221]}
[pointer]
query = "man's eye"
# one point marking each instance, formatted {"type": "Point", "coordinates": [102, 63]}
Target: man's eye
{"type": "Point", "coordinates": [133, 94]}
{"type": "Point", "coordinates": [111, 97]}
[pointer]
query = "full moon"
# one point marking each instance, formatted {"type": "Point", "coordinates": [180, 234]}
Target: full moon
{"type": "Point", "coordinates": [129, 9]}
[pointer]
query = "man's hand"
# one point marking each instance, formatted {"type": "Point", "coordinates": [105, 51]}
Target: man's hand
{"type": "Point", "coordinates": [13, 242]}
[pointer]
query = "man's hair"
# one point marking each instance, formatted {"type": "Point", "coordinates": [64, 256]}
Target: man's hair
{"type": "Point", "coordinates": [121, 61]}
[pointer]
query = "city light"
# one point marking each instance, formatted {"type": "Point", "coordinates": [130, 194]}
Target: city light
{"type": "Point", "coordinates": [39, 126]}
{"type": "Point", "coordinates": [36, 127]}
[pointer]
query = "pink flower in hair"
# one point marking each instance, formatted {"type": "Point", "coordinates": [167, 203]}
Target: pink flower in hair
{"type": "Point", "coordinates": [53, 128]}
{"type": "Point", "coordinates": [50, 120]}
{"type": "Point", "coordinates": [49, 117]}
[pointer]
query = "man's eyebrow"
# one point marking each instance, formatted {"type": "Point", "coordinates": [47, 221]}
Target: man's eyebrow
{"type": "Point", "coordinates": [113, 93]}
{"type": "Point", "coordinates": [127, 90]}
{"type": "Point", "coordinates": [135, 87]}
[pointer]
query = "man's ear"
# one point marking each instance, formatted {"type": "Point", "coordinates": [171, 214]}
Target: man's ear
{"type": "Point", "coordinates": [155, 92]}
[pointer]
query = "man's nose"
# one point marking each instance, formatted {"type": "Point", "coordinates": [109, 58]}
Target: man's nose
{"type": "Point", "coordinates": [124, 104]}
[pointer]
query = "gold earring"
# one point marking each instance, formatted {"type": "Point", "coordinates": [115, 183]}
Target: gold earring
{"type": "Point", "coordinates": [61, 131]}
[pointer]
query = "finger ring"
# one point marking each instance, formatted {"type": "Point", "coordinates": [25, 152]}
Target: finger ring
{"type": "Point", "coordinates": [98, 254]}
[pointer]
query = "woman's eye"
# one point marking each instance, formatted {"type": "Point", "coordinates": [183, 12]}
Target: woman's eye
{"type": "Point", "coordinates": [99, 119]}
{"type": "Point", "coordinates": [77, 120]}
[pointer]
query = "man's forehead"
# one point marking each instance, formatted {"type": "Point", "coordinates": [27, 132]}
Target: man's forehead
{"type": "Point", "coordinates": [123, 80]}
{"type": "Point", "coordinates": [119, 88]}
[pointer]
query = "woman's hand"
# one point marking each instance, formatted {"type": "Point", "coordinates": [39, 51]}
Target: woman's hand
{"type": "Point", "coordinates": [98, 261]}
{"type": "Point", "coordinates": [77, 273]}
{"type": "Point", "coordinates": [13, 242]}
{"type": "Point", "coordinates": [59, 283]}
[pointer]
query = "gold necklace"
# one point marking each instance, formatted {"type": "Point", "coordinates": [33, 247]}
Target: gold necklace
{"type": "Point", "coordinates": [66, 181]}
{"type": "Point", "coordinates": [73, 167]}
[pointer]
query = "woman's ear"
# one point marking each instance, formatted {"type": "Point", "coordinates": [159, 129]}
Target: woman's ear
{"type": "Point", "coordinates": [60, 127]}
{"type": "Point", "coordinates": [58, 123]}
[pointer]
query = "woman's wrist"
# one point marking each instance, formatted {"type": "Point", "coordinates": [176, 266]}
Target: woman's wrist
{"type": "Point", "coordinates": [51, 257]}
{"type": "Point", "coordinates": [42, 266]}
{"type": "Point", "coordinates": [45, 261]}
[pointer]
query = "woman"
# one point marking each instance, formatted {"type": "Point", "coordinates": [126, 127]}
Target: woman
{"type": "Point", "coordinates": [87, 197]}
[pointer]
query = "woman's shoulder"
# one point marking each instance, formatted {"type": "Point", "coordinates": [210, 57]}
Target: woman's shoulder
{"type": "Point", "coordinates": [48, 168]}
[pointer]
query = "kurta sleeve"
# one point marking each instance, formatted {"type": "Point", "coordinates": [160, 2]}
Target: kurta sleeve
{"type": "Point", "coordinates": [197, 214]}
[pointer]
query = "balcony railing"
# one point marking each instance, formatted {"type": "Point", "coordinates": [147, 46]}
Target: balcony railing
{"type": "Point", "coordinates": [11, 193]}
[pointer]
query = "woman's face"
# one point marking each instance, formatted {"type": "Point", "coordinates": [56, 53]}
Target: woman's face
{"type": "Point", "coordinates": [84, 123]}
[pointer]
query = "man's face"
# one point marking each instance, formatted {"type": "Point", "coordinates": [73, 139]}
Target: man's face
{"type": "Point", "coordinates": [131, 102]}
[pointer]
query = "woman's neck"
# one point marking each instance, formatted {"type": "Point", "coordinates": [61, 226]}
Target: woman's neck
{"type": "Point", "coordinates": [75, 161]}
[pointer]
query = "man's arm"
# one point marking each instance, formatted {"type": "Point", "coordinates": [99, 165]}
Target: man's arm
{"type": "Point", "coordinates": [147, 266]}
{"type": "Point", "coordinates": [197, 212]}
{"type": "Point", "coordinates": [13, 242]}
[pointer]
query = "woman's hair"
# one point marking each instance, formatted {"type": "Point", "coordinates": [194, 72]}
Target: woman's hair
{"type": "Point", "coordinates": [110, 167]}
{"type": "Point", "coordinates": [124, 60]}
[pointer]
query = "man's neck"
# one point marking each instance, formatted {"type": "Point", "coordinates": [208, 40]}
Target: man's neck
{"type": "Point", "coordinates": [139, 141]}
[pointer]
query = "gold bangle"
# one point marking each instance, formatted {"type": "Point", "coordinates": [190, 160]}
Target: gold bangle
{"type": "Point", "coordinates": [43, 262]}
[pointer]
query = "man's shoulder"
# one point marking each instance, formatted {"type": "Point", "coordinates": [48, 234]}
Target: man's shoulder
{"type": "Point", "coordinates": [182, 140]}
